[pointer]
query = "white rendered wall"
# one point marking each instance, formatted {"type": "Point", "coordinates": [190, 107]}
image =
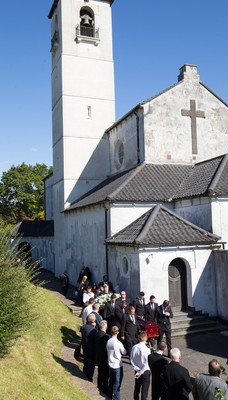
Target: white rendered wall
{"type": "Point", "coordinates": [219, 210]}
{"type": "Point", "coordinates": [82, 108]}
{"type": "Point", "coordinates": [168, 133]}
{"type": "Point", "coordinates": [122, 215]}
{"type": "Point", "coordinates": [84, 242]}
{"type": "Point", "coordinates": [127, 131]}
{"type": "Point", "coordinates": [82, 78]}
{"type": "Point", "coordinates": [197, 211]}
{"type": "Point", "coordinates": [152, 277]}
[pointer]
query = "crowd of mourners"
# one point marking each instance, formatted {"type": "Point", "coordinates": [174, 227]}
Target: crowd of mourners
{"type": "Point", "coordinates": [122, 327]}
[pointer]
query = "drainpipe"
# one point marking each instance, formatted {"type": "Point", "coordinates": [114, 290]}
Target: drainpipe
{"type": "Point", "coordinates": [137, 131]}
{"type": "Point", "coordinates": [106, 234]}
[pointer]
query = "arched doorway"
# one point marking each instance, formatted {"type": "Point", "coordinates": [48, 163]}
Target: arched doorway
{"type": "Point", "coordinates": [25, 251]}
{"type": "Point", "coordinates": [178, 284]}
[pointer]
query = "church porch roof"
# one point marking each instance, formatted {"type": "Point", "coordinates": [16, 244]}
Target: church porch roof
{"type": "Point", "coordinates": [160, 227]}
{"type": "Point", "coordinates": [33, 228]}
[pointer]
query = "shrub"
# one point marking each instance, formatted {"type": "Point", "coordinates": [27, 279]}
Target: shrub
{"type": "Point", "coordinates": [18, 294]}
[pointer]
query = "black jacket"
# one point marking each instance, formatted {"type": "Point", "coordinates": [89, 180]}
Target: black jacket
{"type": "Point", "coordinates": [152, 314]}
{"type": "Point", "coordinates": [177, 381]}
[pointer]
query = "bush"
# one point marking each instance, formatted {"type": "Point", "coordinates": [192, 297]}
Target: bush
{"type": "Point", "coordinates": [18, 294]}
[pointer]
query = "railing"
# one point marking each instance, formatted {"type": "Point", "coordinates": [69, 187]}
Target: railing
{"type": "Point", "coordinates": [87, 32]}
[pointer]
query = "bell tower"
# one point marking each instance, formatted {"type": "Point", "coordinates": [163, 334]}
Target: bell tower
{"type": "Point", "coordinates": [83, 104]}
{"type": "Point", "coordinates": [82, 94]}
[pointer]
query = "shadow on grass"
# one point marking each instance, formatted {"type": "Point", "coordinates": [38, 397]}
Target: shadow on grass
{"type": "Point", "coordinates": [70, 367]}
{"type": "Point", "coordinates": [72, 340]}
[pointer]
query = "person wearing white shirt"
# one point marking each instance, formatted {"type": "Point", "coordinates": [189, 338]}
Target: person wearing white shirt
{"type": "Point", "coordinates": [139, 360]}
{"type": "Point", "coordinates": [87, 310]}
{"type": "Point", "coordinates": [88, 294]}
{"type": "Point", "coordinates": [115, 350]}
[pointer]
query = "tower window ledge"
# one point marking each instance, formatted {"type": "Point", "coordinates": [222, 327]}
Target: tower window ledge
{"type": "Point", "coordinates": [91, 37]}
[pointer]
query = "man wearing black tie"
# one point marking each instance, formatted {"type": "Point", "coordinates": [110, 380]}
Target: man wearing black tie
{"type": "Point", "coordinates": [152, 310]}
{"type": "Point", "coordinates": [109, 311]}
{"type": "Point", "coordinates": [164, 323]}
{"type": "Point", "coordinates": [129, 329]}
{"type": "Point", "coordinates": [139, 304]}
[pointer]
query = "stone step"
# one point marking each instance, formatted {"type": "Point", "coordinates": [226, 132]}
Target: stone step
{"type": "Point", "coordinates": [185, 332]}
{"type": "Point", "coordinates": [186, 323]}
{"type": "Point", "coordinates": [193, 321]}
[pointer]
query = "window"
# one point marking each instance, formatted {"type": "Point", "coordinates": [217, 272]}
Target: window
{"type": "Point", "coordinates": [125, 265]}
{"type": "Point", "coordinates": [119, 154]}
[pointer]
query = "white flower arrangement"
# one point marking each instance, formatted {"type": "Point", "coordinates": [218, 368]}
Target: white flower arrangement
{"type": "Point", "coordinates": [104, 298]}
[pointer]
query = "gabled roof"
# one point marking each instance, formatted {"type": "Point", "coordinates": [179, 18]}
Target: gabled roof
{"type": "Point", "coordinates": [160, 227]}
{"type": "Point", "coordinates": [139, 105]}
{"type": "Point", "coordinates": [206, 178]}
{"type": "Point", "coordinates": [33, 228]}
{"type": "Point", "coordinates": [145, 183]}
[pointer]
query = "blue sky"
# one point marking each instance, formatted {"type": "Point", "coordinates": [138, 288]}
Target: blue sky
{"type": "Point", "coordinates": [151, 39]}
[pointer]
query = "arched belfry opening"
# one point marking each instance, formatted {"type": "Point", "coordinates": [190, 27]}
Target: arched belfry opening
{"type": "Point", "coordinates": [87, 23]}
{"type": "Point", "coordinates": [178, 284]}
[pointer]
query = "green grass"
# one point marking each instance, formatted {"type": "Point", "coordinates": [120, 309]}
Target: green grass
{"type": "Point", "coordinates": [31, 370]}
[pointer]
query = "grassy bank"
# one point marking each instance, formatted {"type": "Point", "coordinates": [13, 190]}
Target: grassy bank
{"type": "Point", "coordinates": [31, 371]}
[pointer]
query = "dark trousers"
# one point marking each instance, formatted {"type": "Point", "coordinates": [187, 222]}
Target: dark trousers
{"type": "Point", "coordinates": [157, 388]}
{"type": "Point", "coordinates": [89, 366]}
{"type": "Point", "coordinates": [167, 332]}
{"type": "Point", "coordinates": [102, 378]}
{"type": "Point", "coordinates": [142, 383]}
{"type": "Point", "coordinates": [129, 343]}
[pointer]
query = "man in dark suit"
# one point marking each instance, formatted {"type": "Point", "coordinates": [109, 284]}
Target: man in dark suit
{"type": "Point", "coordinates": [98, 317]}
{"type": "Point", "coordinates": [164, 323]}
{"type": "Point", "coordinates": [109, 311]}
{"type": "Point", "coordinates": [156, 362]}
{"type": "Point", "coordinates": [123, 297]}
{"type": "Point", "coordinates": [177, 381]}
{"type": "Point", "coordinates": [105, 281]}
{"type": "Point", "coordinates": [152, 310]}
{"type": "Point", "coordinates": [120, 310]}
{"type": "Point", "coordinates": [102, 357]}
{"type": "Point", "coordinates": [140, 309]}
{"type": "Point", "coordinates": [88, 332]}
{"type": "Point", "coordinates": [129, 329]}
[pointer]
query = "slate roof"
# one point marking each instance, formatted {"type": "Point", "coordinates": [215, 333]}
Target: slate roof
{"type": "Point", "coordinates": [160, 227]}
{"type": "Point", "coordinates": [34, 228]}
{"type": "Point", "coordinates": [145, 183]}
{"type": "Point", "coordinates": [209, 177]}
{"type": "Point", "coordinates": [150, 183]}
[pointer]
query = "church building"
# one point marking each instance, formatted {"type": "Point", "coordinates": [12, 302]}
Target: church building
{"type": "Point", "coordinates": [145, 198]}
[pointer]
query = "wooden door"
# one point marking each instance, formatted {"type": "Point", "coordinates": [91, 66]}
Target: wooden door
{"type": "Point", "coordinates": [177, 284]}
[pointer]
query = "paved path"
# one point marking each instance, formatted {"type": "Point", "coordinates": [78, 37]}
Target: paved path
{"type": "Point", "coordinates": [197, 350]}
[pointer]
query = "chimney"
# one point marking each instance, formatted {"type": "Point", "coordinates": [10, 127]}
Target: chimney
{"type": "Point", "coordinates": [188, 71]}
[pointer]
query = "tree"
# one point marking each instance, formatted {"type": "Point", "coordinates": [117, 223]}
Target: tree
{"type": "Point", "coordinates": [22, 192]}
{"type": "Point", "coordinates": [19, 294]}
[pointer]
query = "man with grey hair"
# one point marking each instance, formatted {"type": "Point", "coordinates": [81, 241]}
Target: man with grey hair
{"type": "Point", "coordinates": [206, 385]}
{"type": "Point", "coordinates": [102, 357]}
{"type": "Point", "coordinates": [176, 378]}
